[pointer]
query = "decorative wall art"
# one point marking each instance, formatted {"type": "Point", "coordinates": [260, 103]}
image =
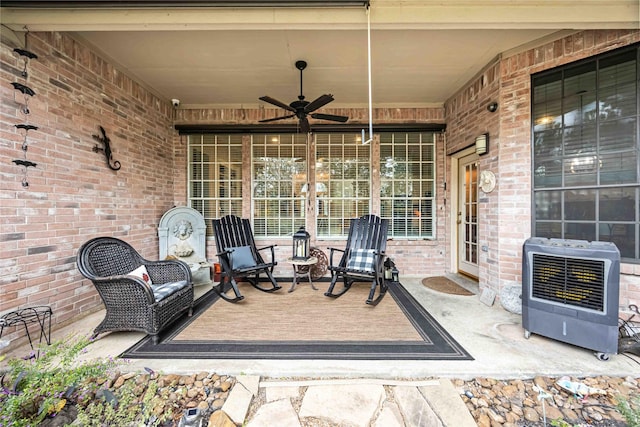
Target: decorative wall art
{"type": "Point", "coordinates": [106, 149]}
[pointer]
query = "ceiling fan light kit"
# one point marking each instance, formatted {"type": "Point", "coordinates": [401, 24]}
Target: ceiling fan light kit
{"type": "Point", "coordinates": [302, 108]}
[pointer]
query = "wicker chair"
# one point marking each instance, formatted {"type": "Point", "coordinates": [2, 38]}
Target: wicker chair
{"type": "Point", "coordinates": [147, 303]}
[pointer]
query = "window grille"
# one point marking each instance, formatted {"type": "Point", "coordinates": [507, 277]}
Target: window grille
{"type": "Point", "coordinates": [215, 175]}
{"type": "Point", "coordinates": [585, 151]}
{"type": "Point", "coordinates": [407, 183]}
{"type": "Point", "coordinates": [279, 172]}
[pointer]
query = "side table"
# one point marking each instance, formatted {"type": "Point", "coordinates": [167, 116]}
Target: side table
{"type": "Point", "coordinates": [301, 269]}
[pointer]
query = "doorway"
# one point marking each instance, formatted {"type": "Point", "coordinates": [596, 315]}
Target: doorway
{"type": "Point", "coordinates": [467, 216]}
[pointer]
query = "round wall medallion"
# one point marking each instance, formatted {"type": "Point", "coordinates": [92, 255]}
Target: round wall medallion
{"type": "Point", "coordinates": [487, 181]}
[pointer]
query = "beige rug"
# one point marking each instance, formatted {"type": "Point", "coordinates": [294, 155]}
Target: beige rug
{"type": "Point", "coordinates": [445, 285]}
{"type": "Point", "coordinates": [302, 315]}
{"type": "Point", "coordinates": [304, 324]}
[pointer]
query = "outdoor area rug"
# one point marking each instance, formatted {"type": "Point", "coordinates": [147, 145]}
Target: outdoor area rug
{"type": "Point", "coordinates": [305, 324]}
{"type": "Point", "coordinates": [445, 285]}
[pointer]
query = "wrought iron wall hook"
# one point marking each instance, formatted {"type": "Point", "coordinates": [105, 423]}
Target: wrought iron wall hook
{"type": "Point", "coordinates": [106, 150]}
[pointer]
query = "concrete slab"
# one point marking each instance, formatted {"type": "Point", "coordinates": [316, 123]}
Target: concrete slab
{"type": "Point", "coordinates": [446, 402]}
{"type": "Point", "coordinates": [280, 413]}
{"type": "Point", "coordinates": [389, 416]}
{"type": "Point", "coordinates": [415, 409]}
{"type": "Point", "coordinates": [250, 382]}
{"type": "Point", "coordinates": [284, 392]}
{"type": "Point", "coordinates": [492, 335]}
{"type": "Point", "coordinates": [349, 405]}
{"type": "Point", "coordinates": [237, 404]}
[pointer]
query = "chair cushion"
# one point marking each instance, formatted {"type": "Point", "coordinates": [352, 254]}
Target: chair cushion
{"type": "Point", "coordinates": [142, 273]}
{"type": "Point", "coordinates": [242, 257]}
{"type": "Point", "coordinates": [160, 292]}
{"type": "Point", "coordinates": [361, 260]}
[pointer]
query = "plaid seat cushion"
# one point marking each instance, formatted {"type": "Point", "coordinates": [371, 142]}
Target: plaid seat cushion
{"type": "Point", "coordinates": [160, 292]}
{"type": "Point", "coordinates": [361, 260]}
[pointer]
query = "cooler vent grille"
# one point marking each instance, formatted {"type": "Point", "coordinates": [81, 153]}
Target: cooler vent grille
{"type": "Point", "coordinates": [572, 281]}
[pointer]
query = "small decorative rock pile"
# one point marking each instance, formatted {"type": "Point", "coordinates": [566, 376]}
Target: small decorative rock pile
{"type": "Point", "coordinates": [205, 391]}
{"type": "Point", "coordinates": [514, 403]}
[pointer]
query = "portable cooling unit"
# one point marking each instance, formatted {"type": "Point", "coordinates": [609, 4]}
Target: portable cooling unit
{"type": "Point", "coordinates": [570, 292]}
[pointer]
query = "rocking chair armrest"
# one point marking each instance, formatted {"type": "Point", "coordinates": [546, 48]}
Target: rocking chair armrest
{"type": "Point", "coordinates": [273, 254]}
{"type": "Point", "coordinates": [225, 252]}
{"type": "Point", "coordinates": [331, 251]}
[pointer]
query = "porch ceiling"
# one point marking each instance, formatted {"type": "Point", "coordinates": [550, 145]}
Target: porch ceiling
{"type": "Point", "coordinates": [422, 51]}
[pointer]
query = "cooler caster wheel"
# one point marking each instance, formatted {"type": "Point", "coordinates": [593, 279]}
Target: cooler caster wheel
{"type": "Point", "coordinates": [603, 356]}
{"type": "Point", "coordinates": [527, 334]}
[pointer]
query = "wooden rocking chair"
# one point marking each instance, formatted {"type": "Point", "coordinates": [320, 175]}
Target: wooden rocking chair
{"type": "Point", "coordinates": [363, 257]}
{"type": "Point", "coordinates": [239, 257]}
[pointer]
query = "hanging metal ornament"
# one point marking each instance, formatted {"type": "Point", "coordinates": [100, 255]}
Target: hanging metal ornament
{"type": "Point", "coordinates": [25, 145]}
{"type": "Point", "coordinates": [26, 164]}
{"type": "Point", "coordinates": [27, 93]}
{"type": "Point", "coordinates": [27, 55]}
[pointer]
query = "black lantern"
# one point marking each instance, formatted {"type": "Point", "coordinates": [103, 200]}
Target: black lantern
{"type": "Point", "coordinates": [301, 244]}
{"type": "Point", "coordinates": [395, 275]}
{"type": "Point", "coordinates": [388, 268]}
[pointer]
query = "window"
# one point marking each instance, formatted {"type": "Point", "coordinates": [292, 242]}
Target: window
{"type": "Point", "coordinates": [279, 171]}
{"type": "Point", "coordinates": [585, 151]}
{"type": "Point", "coordinates": [339, 170]}
{"type": "Point", "coordinates": [407, 183]}
{"type": "Point", "coordinates": [215, 175]}
{"type": "Point", "coordinates": [343, 182]}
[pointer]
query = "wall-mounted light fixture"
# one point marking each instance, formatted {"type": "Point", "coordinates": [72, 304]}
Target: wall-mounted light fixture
{"type": "Point", "coordinates": [493, 107]}
{"type": "Point", "coordinates": [482, 144]}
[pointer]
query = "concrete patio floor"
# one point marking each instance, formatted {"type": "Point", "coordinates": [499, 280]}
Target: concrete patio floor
{"type": "Point", "coordinates": [493, 336]}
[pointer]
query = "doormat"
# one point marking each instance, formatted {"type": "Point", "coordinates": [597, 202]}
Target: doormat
{"type": "Point", "coordinates": [445, 285]}
{"type": "Point", "coordinates": [305, 324]}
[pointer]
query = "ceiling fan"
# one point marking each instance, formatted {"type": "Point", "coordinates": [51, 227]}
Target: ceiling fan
{"type": "Point", "coordinates": [301, 108]}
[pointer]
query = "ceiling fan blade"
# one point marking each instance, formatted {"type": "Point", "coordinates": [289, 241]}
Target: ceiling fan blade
{"type": "Point", "coordinates": [277, 118]}
{"type": "Point", "coordinates": [277, 103]}
{"type": "Point", "coordinates": [319, 102]}
{"type": "Point", "coordinates": [335, 118]}
{"type": "Point", "coordinates": [304, 125]}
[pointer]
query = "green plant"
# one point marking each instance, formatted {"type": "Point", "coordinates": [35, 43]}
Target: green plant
{"type": "Point", "coordinates": [34, 388]}
{"type": "Point", "coordinates": [630, 410]}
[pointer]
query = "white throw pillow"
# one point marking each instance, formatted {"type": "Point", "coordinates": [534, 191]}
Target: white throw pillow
{"type": "Point", "coordinates": [142, 273]}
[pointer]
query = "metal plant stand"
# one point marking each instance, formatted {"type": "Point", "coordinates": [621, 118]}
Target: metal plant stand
{"type": "Point", "coordinates": [27, 316]}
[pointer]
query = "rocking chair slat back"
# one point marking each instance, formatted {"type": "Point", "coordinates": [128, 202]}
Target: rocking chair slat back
{"type": "Point", "coordinates": [367, 233]}
{"type": "Point", "coordinates": [231, 232]}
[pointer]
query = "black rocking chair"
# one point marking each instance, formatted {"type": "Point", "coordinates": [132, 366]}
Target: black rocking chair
{"type": "Point", "coordinates": [363, 257]}
{"type": "Point", "coordinates": [239, 257]}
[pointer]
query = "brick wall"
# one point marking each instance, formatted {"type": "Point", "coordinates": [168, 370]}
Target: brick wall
{"type": "Point", "coordinates": [72, 195]}
{"type": "Point", "coordinates": [507, 211]}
